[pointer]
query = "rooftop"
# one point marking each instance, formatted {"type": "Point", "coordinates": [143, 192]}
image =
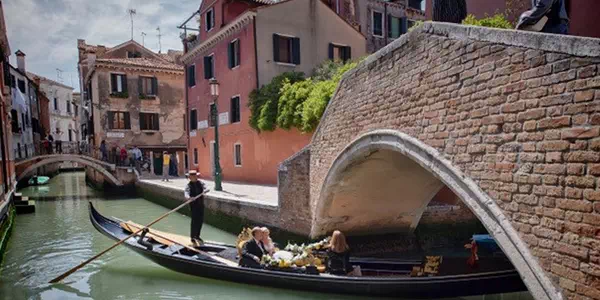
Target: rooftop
{"type": "Point", "coordinates": [142, 62]}
{"type": "Point", "coordinates": [33, 76]}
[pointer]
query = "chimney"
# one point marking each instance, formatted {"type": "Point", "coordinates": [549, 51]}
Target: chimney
{"type": "Point", "coordinates": [20, 60]}
{"type": "Point", "coordinates": [91, 59]}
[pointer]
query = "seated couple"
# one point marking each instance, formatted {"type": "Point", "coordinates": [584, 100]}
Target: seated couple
{"type": "Point", "coordinates": [254, 249]}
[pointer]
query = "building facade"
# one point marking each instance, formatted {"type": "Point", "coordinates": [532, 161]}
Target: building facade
{"type": "Point", "coordinates": [243, 45]}
{"type": "Point", "coordinates": [583, 13]}
{"type": "Point", "coordinates": [63, 124]}
{"type": "Point", "coordinates": [380, 21]}
{"type": "Point", "coordinates": [133, 97]}
{"type": "Point", "coordinates": [7, 174]}
{"type": "Point", "coordinates": [21, 111]}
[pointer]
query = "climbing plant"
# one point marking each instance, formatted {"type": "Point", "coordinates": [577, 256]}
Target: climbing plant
{"type": "Point", "coordinates": [495, 21]}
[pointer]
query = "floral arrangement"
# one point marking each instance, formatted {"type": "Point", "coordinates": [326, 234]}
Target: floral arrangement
{"type": "Point", "coordinates": [295, 255]}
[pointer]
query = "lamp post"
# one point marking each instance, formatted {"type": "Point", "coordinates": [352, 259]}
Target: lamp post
{"type": "Point", "coordinates": [214, 114]}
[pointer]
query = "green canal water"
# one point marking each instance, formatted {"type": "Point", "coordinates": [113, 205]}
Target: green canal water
{"type": "Point", "coordinates": [59, 236]}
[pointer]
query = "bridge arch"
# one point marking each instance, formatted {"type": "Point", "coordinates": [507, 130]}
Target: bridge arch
{"type": "Point", "coordinates": [394, 150]}
{"type": "Point", "coordinates": [86, 161]}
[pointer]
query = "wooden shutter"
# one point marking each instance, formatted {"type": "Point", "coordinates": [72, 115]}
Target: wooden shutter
{"type": "Point", "coordinates": [389, 26]}
{"type": "Point", "coordinates": [347, 53]}
{"type": "Point", "coordinates": [155, 122]}
{"type": "Point", "coordinates": [126, 120]}
{"type": "Point", "coordinates": [331, 51]}
{"type": "Point", "coordinates": [113, 83]}
{"type": "Point", "coordinates": [143, 121]}
{"type": "Point", "coordinates": [191, 75]}
{"type": "Point", "coordinates": [403, 25]}
{"type": "Point", "coordinates": [111, 119]}
{"type": "Point", "coordinates": [230, 53]}
{"type": "Point", "coordinates": [237, 51]}
{"type": "Point", "coordinates": [207, 67]}
{"type": "Point", "coordinates": [141, 86]}
{"type": "Point", "coordinates": [154, 86]}
{"type": "Point", "coordinates": [275, 47]}
{"type": "Point", "coordinates": [296, 51]}
{"type": "Point", "coordinates": [124, 78]}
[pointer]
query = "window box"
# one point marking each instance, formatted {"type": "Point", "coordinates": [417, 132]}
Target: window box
{"type": "Point", "coordinates": [147, 97]}
{"type": "Point", "coordinates": [119, 95]}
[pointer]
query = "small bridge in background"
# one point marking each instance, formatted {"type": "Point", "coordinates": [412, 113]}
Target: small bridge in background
{"type": "Point", "coordinates": [28, 167]}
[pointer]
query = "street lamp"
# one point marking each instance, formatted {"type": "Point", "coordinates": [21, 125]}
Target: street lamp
{"type": "Point", "coordinates": [214, 114]}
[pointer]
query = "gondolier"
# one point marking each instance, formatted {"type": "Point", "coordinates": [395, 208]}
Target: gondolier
{"type": "Point", "coordinates": [194, 188]}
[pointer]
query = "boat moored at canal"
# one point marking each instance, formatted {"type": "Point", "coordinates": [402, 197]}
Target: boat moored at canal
{"type": "Point", "coordinates": [395, 282]}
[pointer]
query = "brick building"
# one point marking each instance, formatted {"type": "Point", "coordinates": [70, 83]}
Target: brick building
{"type": "Point", "coordinates": [583, 13]}
{"type": "Point", "coordinates": [133, 97]}
{"type": "Point", "coordinates": [7, 174]}
{"type": "Point", "coordinates": [244, 44]}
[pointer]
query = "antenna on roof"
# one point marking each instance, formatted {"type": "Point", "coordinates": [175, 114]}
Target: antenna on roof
{"type": "Point", "coordinates": [159, 35]}
{"type": "Point", "coordinates": [131, 12]}
{"type": "Point", "coordinates": [143, 35]}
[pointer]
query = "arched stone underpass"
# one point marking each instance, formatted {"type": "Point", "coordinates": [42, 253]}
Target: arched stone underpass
{"type": "Point", "coordinates": [510, 121]}
{"type": "Point", "coordinates": [28, 167]}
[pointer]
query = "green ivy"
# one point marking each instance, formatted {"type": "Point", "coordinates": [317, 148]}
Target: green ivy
{"type": "Point", "coordinates": [291, 103]}
{"type": "Point", "coordinates": [495, 21]}
{"type": "Point", "coordinates": [415, 25]}
{"type": "Point", "coordinates": [315, 105]}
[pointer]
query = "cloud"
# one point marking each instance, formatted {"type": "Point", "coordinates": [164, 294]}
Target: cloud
{"type": "Point", "coordinates": [47, 30]}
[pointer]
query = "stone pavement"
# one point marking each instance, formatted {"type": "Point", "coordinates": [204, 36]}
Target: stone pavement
{"type": "Point", "coordinates": [232, 191]}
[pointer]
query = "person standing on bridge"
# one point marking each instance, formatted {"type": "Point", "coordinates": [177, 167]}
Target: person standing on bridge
{"type": "Point", "coordinates": [50, 142]}
{"type": "Point", "coordinates": [166, 164]}
{"type": "Point", "coordinates": [549, 16]}
{"type": "Point", "coordinates": [194, 188]}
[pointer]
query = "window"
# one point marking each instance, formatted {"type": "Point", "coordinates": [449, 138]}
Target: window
{"type": "Point", "coordinates": [235, 110]}
{"type": "Point", "coordinates": [209, 19]}
{"type": "Point", "coordinates": [209, 67]}
{"type": "Point", "coordinates": [233, 52]}
{"type": "Point", "coordinates": [148, 86]}
{"type": "Point", "coordinates": [339, 53]}
{"type": "Point", "coordinates": [14, 120]}
{"type": "Point", "coordinates": [191, 75]}
{"type": "Point", "coordinates": [149, 121]}
{"type": "Point", "coordinates": [118, 83]}
{"type": "Point", "coordinates": [377, 23]}
{"type": "Point", "coordinates": [68, 107]}
{"type": "Point", "coordinates": [134, 54]}
{"type": "Point", "coordinates": [193, 119]}
{"type": "Point", "coordinates": [55, 103]}
{"type": "Point", "coordinates": [21, 86]}
{"type": "Point", "coordinates": [212, 118]}
{"type": "Point", "coordinates": [286, 49]}
{"type": "Point", "coordinates": [23, 120]}
{"type": "Point", "coordinates": [396, 26]}
{"type": "Point", "coordinates": [118, 120]}
{"type": "Point", "coordinates": [237, 155]}
{"type": "Point", "coordinates": [13, 81]}
{"type": "Point", "coordinates": [195, 156]}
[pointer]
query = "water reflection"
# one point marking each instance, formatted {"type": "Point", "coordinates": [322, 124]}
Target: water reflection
{"type": "Point", "coordinates": [59, 236]}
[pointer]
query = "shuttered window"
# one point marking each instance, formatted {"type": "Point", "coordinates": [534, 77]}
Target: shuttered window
{"type": "Point", "coordinates": [235, 110]}
{"type": "Point", "coordinates": [340, 53]}
{"type": "Point", "coordinates": [191, 75]}
{"type": "Point", "coordinates": [396, 26]}
{"type": "Point", "coordinates": [118, 83]}
{"type": "Point", "coordinates": [118, 120]}
{"type": "Point", "coordinates": [21, 84]}
{"type": "Point", "coordinates": [286, 49]}
{"type": "Point", "coordinates": [149, 121]}
{"type": "Point", "coordinates": [148, 86]}
{"type": "Point", "coordinates": [233, 54]}
{"type": "Point", "coordinates": [237, 155]}
{"type": "Point", "coordinates": [193, 119]}
{"type": "Point", "coordinates": [377, 23]}
{"type": "Point", "coordinates": [209, 67]}
{"type": "Point", "coordinates": [209, 19]}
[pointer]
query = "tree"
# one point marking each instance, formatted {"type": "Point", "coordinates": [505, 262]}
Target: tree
{"type": "Point", "coordinates": [452, 11]}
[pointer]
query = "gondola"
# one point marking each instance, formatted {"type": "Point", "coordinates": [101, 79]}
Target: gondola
{"type": "Point", "coordinates": [381, 277]}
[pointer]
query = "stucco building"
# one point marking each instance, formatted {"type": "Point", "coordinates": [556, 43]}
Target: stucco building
{"type": "Point", "coordinates": [244, 44]}
{"type": "Point", "coordinates": [133, 97]}
{"type": "Point", "coordinates": [7, 174]}
{"type": "Point", "coordinates": [380, 21]}
{"type": "Point", "coordinates": [23, 108]}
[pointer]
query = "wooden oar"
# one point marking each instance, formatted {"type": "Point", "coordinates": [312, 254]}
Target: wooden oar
{"type": "Point", "coordinates": [214, 257]}
{"type": "Point", "coordinates": [71, 271]}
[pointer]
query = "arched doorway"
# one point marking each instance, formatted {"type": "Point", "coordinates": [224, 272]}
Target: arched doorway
{"type": "Point", "coordinates": [362, 189]}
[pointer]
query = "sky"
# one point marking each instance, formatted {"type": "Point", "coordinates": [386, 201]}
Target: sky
{"type": "Point", "coordinates": [47, 30]}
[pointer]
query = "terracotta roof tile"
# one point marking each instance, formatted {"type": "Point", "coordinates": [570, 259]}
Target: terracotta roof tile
{"type": "Point", "coordinates": [142, 62]}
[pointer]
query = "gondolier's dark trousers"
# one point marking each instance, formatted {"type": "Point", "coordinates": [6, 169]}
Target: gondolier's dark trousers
{"type": "Point", "coordinates": [197, 208]}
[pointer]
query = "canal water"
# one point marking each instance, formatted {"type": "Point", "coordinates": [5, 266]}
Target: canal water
{"type": "Point", "coordinates": [59, 236]}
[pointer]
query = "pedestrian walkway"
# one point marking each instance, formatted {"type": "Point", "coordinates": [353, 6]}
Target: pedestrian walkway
{"type": "Point", "coordinates": [232, 191]}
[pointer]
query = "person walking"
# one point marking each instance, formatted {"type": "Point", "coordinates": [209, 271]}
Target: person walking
{"type": "Point", "coordinates": [103, 151]}
{"type": "Point", "coordinates": [549, 16]}
{"type": "Point", "coordinates": [137, 157]}
{"type": "Point", "coordinates": [58, 142]}
{"type": "Point", "coordinates": [166, 163]}
{"type": "Point", "coordinates": [123, 156]}
{"type": "Point", "coordinates": [194, 188]}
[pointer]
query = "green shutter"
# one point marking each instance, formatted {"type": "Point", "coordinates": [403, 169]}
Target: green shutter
{"type": "Point", "coordinates": [331, 51]}
{"type": "Point", "coordinates": [126, 120]}
{"type": "Point", "coordinates": [347, 53]}
{"type": "Point", "coordinates": [155, 122]}
{"type": "Point", "coordinates": [140, 86]}
{"type": "Point", "coordinates": [113, 83]}
{"type": "Point", "coordinates": [275, 47]}
{"type": "Point", "coordinates": [230, 54]}
{"type": "Point", "coordinates": [296, 51]}
{"type": "Point", "coordinates": [154, 86]}
{"type": "Point", "coordinates": [142, 121]}
{"type": "Point", "coordinates": [403, 25]}
{"type": "Point", "coordinates": [124, 83]}
{"type": "Point", "coordinates": [207, 67]}
{"type": "Point", "coordinates": [111, 118]}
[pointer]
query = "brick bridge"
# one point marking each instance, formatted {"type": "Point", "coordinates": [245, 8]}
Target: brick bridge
{"type": "Point", "coordinates": [108, 171]}
{"type": "Point", "coordinates": [509, 121]}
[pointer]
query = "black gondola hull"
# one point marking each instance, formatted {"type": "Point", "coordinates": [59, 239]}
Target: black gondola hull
{"type": "Point", "coordinates": [405, 287]}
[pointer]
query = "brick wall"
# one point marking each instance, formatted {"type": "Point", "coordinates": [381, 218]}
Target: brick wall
{"type": "Point", "coordinates": [517, 113]}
